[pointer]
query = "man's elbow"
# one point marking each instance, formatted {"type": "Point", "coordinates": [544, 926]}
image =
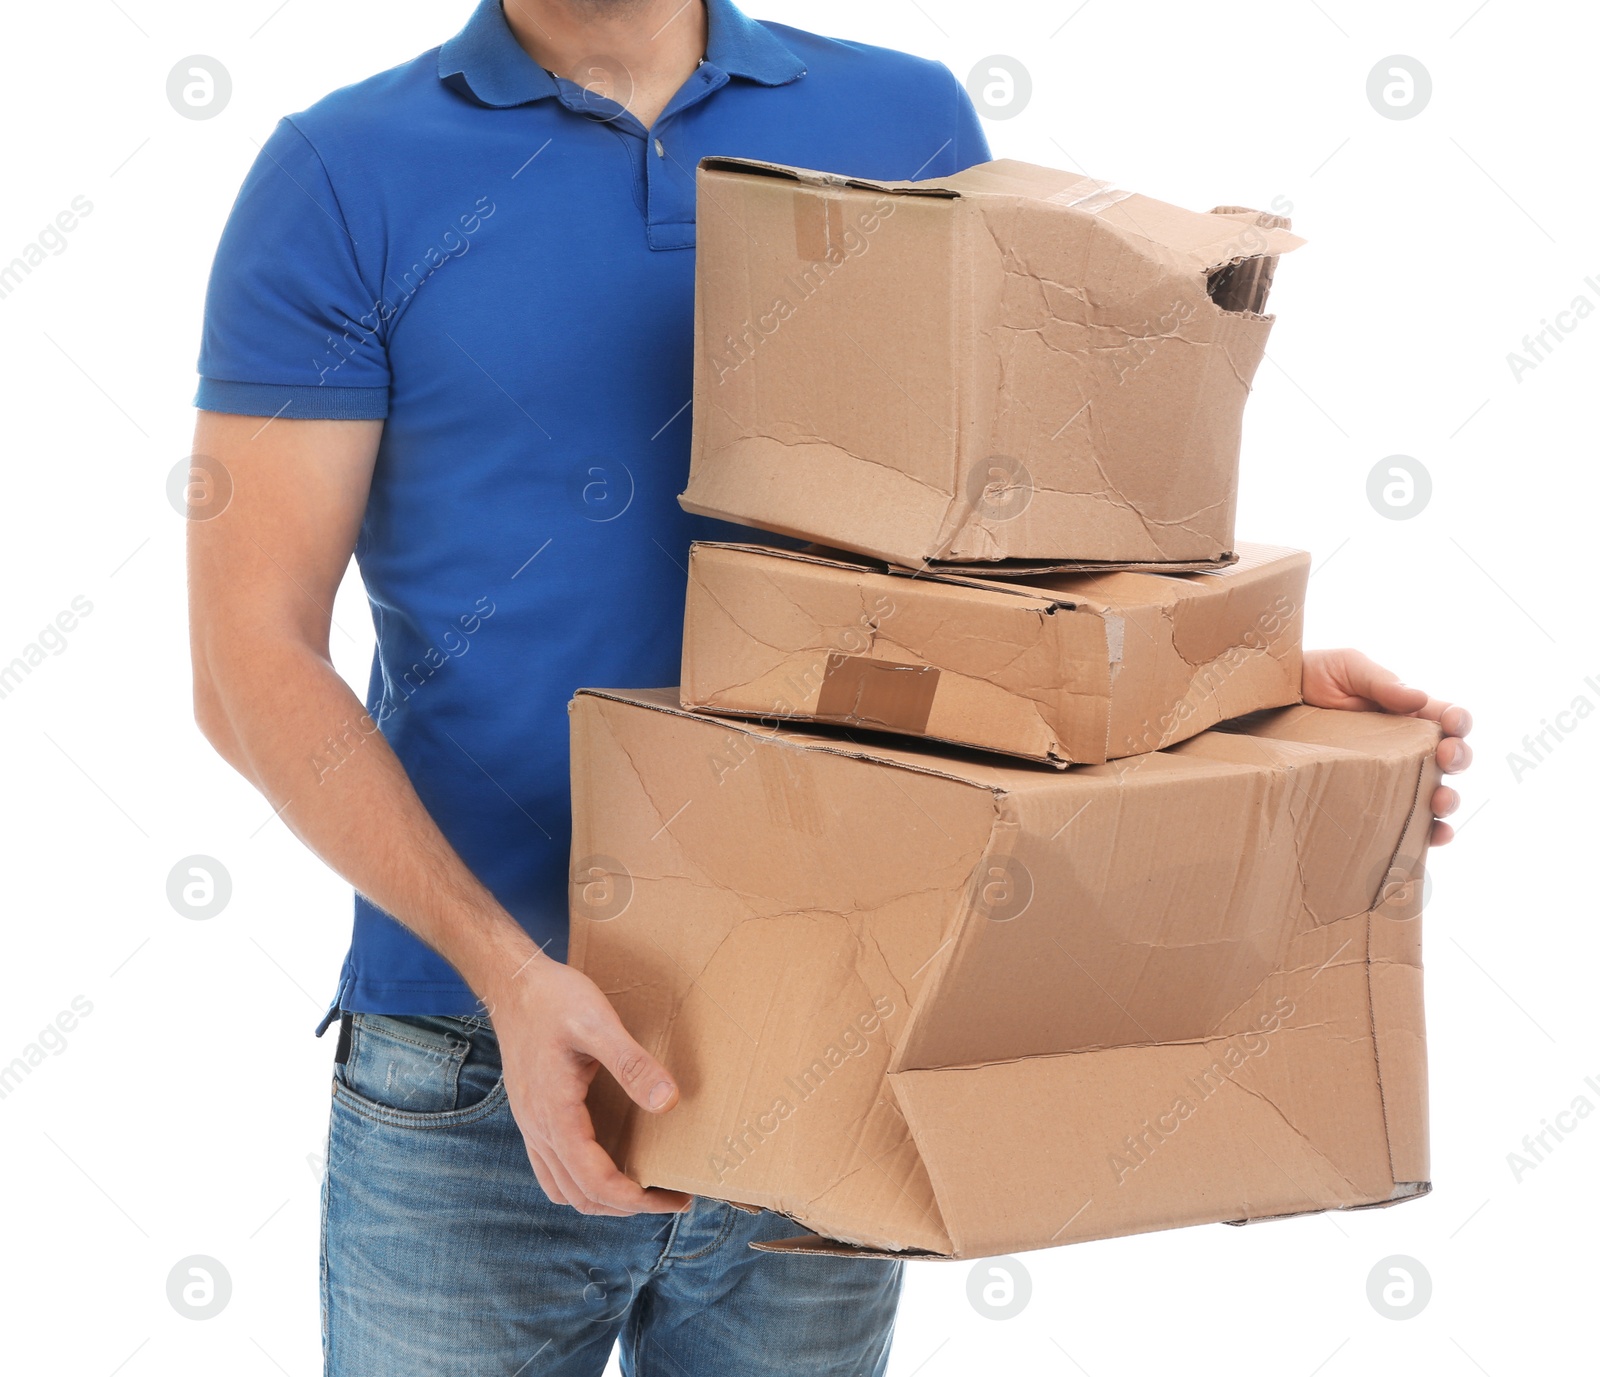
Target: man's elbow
{"type": "Point", "coordinates": [210, 716]}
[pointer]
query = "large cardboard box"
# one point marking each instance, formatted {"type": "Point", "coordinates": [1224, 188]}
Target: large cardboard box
{"type": "Point", "coordinates": [1062, 668]}
{"type": "Point", "coordinates": [1014, 363]}
{"type": "Point", "coordinates": [937, 1001]}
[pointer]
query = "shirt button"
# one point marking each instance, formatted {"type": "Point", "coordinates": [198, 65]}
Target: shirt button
{"type": "Point", "coordinates": [660, 151]}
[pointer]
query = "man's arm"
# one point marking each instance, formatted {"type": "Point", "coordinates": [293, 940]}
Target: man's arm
{"type": "Point", "coordinates": [262, 579]}
{"type": "Point", "coordinates": [1348, 679]}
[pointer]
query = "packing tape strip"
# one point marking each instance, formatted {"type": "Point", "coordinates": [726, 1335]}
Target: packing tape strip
{"type": "Point", "coordinates": [1089, 195]}
{"type": "Point", "coordinates": [818, 224]}
{"type": "Point", "coordinates": [877, 693]}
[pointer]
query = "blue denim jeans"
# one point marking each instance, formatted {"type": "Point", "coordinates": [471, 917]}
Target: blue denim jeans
{"type": "Point", "coordinates": [442, 1257]}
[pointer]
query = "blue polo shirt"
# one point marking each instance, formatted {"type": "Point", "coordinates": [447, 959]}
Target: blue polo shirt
{"type": "Point", "coordinates": [500, 264]}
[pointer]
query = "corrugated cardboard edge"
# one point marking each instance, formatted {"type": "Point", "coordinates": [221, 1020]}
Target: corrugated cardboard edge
{"type": "Point", "coordinates": [992, 575]}
{"type": "Point", "coordinates": [819, 1243]}
{"type": "Point", "coordinates": [848, 562]}
{"type": "Point", "coordinates": [1244, 284]}
{"type": "Point", "coordinates": [1022, 568]}
{"type": "Point", "coordinates": [820, 726]}
{"type": "Point", "coordinates": [1398, 1021]}
{"type": "Point", "coordinates": [816, 1246]}
{"type": "Point", "coordinates": [1403, 1191]}
{"type": "Point", "coordinates": [666, 700]}
{"type": "Point", "coordinates": [808, 176]}
{"type": "Point", "coordinates": [980, 182]}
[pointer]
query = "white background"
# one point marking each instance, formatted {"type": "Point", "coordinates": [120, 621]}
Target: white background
{"type": "Point", "coordinates": [185, 1112]}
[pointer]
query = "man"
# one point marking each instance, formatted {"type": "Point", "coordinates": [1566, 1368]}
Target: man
{"type": "Point", "coordinates": [449, 331]}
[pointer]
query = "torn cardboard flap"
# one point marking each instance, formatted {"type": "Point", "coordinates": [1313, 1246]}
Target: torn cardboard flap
{"type": "Point", "coordinates": [1014, 363]}
{"type": "Point", "coordinates": [930, 1000]}
{"type": "Point", "coordinates": [1061, 668]}
{"type": "Point", "coordinates": [811, 177]}
{"type": "Point", "coordinates": [1028, 568]}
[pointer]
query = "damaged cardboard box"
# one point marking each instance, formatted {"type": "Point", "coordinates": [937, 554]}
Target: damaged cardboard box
{"type": "Point", "coordinates": [1013, 364]}
{"type": "Point", "coordinates": [1062, 668]}
{"type": "Point", "coordinates": [938, 1002]}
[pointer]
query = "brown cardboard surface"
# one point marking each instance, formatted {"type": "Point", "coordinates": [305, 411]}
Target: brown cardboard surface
{"type": "Point", "coordinates": [1061, 668]}
{"type": "Point", "coordinates": [932, 1000]}
{"type": "Point", "coordinates": [1011, 364]}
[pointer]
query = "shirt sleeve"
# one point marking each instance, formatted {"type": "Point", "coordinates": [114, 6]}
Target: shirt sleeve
{"type": "Point", "coordinates": [968, 144]}
{"type": "Point", "coordinates": [292, 325]}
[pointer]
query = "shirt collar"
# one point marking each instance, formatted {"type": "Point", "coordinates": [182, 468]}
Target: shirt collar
{"type": "Point", "coordinates": [486, 62]}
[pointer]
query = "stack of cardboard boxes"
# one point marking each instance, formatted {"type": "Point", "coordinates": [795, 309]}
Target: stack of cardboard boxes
{"type": "Point", "coordinates": [1060, 923]}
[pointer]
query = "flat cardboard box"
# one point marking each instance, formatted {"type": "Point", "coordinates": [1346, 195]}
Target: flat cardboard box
{"type": "Point", "coordinates": [935, 1001]}
{"type": "Point", "coordinates": [1012, 364]}
{"type": "Point", "coordinates": [1064, 668]}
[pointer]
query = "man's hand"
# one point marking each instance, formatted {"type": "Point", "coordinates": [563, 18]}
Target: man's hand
{"type": "Point", "coordinates": [556, 1030]}
{"type": "Point", "coordinates": [1348, 679]}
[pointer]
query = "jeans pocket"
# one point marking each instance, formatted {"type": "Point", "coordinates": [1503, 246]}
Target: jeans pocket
{"type": "Point", "coordinates": [421, 1070]}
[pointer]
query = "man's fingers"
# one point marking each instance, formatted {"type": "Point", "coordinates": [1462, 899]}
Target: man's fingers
{"type": "Point", "coordinates": [575, 1194]}
{"type": "Point", "coordinates": [1453, 755]}
{"type": "Point", "coordinates": [1352, 681]}
{"type": "Point", "coordinates": [552, 1179]}
{"type": "Point", "coordinates": [558, 1184]}
{"type": "Point", "coordinates": [1389, 693]}
{"type": "Point", "coordinates": [545, 1176]}
{"type": "Point", "coordinates": [1455, 720]}
{"type": "Point", "coordinates": [595, 1175]}
{"type": "Point", "coordinates": [1445, 801]}
{"type": "Point", "coordinates": [1360, 676]}
{"type": "Point", "coordinates": [644, 1078]}
{"type": "Point", "coordinates": [1434, 710]}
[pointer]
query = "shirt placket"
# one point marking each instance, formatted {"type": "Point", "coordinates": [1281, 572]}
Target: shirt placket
{"type": "Point", "coordinates": [668, 165]}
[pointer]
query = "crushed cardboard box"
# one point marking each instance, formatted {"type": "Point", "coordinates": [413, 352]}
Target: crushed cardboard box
{"type": "Point", "coordinates": [935, 1001]}
{"type": "Point", "coordinates": [1013, 364]}
{"type": "Point", "coordinates": [1062, 668]}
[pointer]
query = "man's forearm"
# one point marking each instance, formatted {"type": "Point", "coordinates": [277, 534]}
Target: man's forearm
{"type": "Point", "coordinates": [289, 724]}
{"type": "Point", "coordinates": [274, 526]}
